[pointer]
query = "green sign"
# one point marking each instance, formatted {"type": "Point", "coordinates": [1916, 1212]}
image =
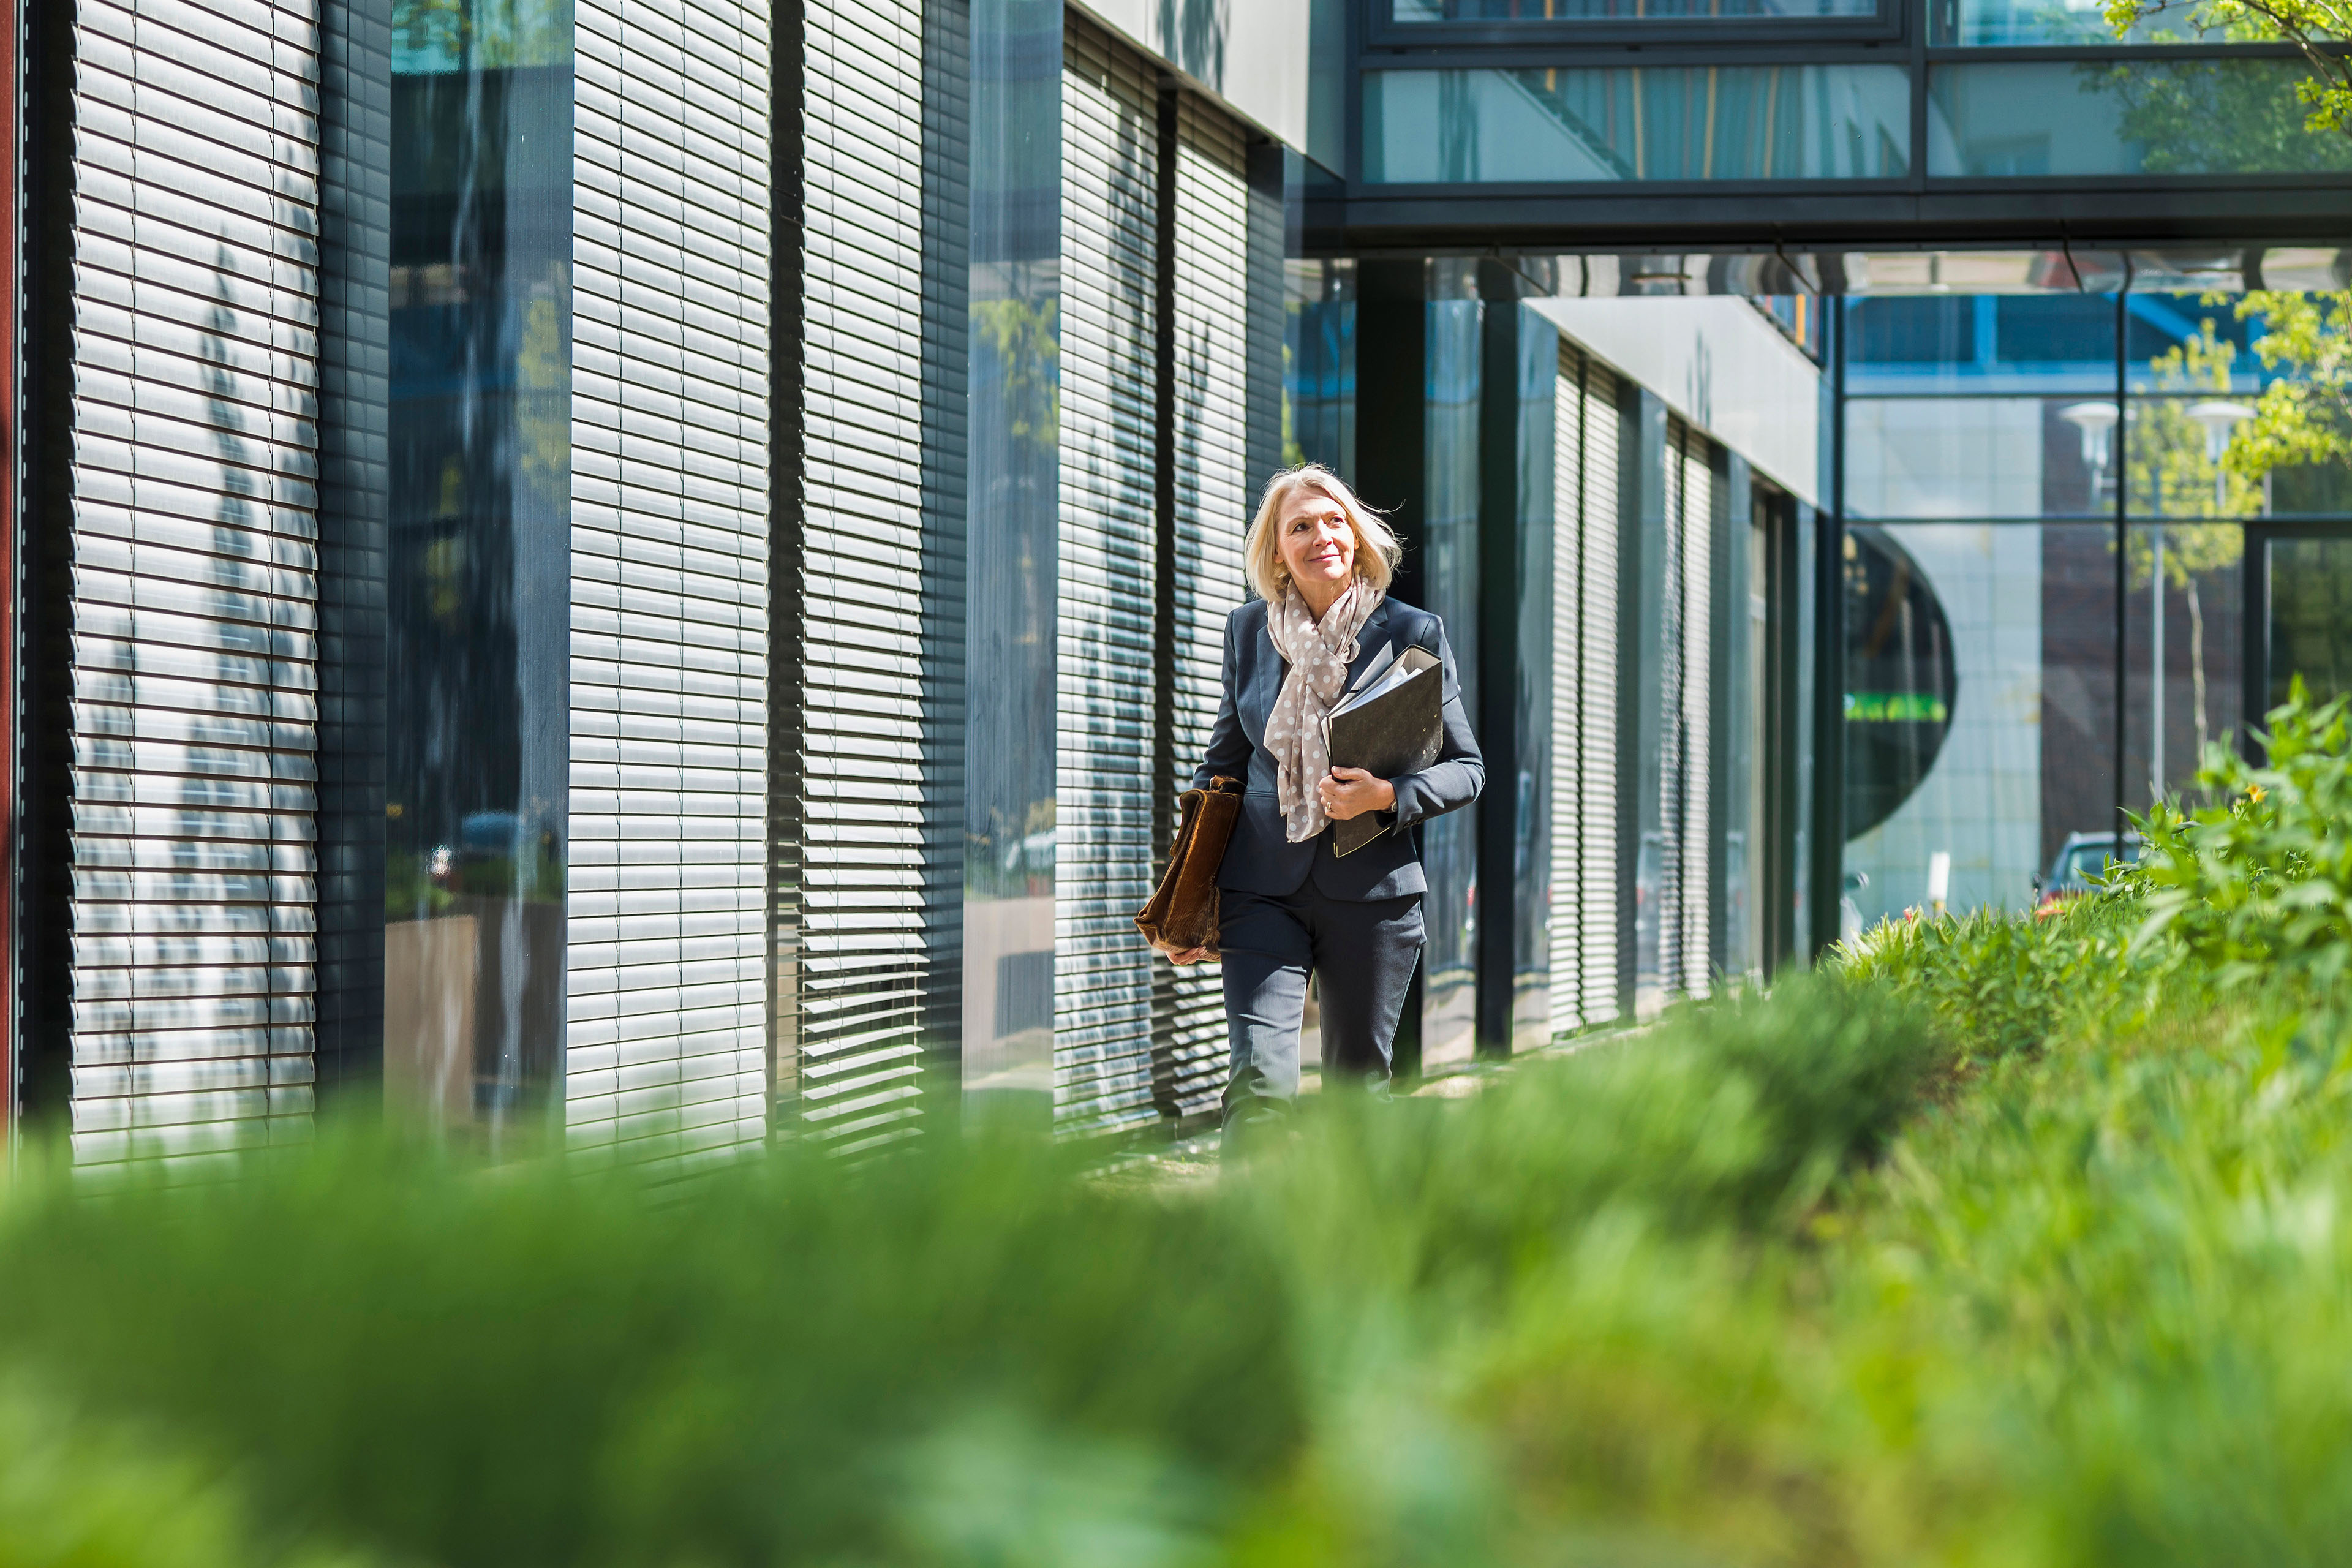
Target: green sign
{"type": "Point", "coordinates": [1895, 707]}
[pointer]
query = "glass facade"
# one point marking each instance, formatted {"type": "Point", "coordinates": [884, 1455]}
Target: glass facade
{"type": "Point", "coordinates": [1526, 347]}
{"type": "Point", "coordinates": [1012, 597]}
{"type": "Point", "coordinates": [1577, 124]}
{"type": "Point", "coordinates": [1319, 357]}
{"type": "Point", "coordinates": [2030, 118]}
{"type": "Point", "coordinates": [479, 567]}
{"type": "Point", "coordinates": [1448, 586]}
{"type": "Point", "coordinates": [2011, 23]}
{"type": "Point", "coordinates": [2049, 492]}
{"type": "Point", "coordinates": [1410, 13]}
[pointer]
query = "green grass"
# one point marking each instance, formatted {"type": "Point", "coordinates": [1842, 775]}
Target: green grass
{"type": "Point", "coordinates": [1994, 1243]}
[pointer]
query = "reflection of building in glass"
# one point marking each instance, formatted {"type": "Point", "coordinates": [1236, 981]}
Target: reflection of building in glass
{"type": "Point", "coordinates": [1943, 714]}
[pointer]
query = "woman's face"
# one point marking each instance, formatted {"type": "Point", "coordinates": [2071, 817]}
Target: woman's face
{"type": "Point", "coordinates": [1319, 546]}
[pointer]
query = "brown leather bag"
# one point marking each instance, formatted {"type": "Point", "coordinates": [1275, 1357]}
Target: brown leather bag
{"type": "Point", "coordinates": [1182, 914]}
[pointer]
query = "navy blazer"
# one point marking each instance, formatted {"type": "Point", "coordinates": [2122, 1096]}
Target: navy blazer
{"type": "Point", "coordinates": [1261, 858]}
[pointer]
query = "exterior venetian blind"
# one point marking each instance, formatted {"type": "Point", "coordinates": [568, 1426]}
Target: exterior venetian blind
{"type": "Point", "coordinates": [194, 591]}
{"type": "Point", "coordinates": [1674, 734]}
{"type": "Point", "coordinates": [1211, 449]}
{"type": "Point", "coordinates": [1584, 790]}
{"type": "Point", "coordinates": [1597, 547]}
{"type": "Point", "coordinates": [1106, 786]}
{"type": "Point", "coordinates": [1564, 916]}
{"type": "Point", "coordinates": [852, 962]}
{"type": "Point", "coordinates": [667, 923]}
{"type": "Point", "coordinates": [1697, 527]}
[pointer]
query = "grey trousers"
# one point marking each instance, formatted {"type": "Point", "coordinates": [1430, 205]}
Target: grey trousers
{"type": "Point", "coordinates": [1364, 954]}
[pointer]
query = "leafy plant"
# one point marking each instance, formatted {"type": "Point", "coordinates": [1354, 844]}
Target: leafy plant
{"type": "Point", "coordinates": [1997, 985]}
{"type": "Point", "coordinates": [2258, 889]}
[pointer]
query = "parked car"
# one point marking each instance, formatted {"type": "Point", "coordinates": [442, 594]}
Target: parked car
{"type": "Point", "coordinates": [2083, 857]}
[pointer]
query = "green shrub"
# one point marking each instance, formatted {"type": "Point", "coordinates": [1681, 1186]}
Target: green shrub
{"type": "Point", "coordinates": [76, 1492]}
{"type": "Point", "coordinates": [787, 1363]}
{"type": "Point", "coordinates": [969, 1356]}
{"type": "Point", "coordinates": [2257, 889]}
{"type": "Point", "coordinates": [1734, 1113]}
{"type": "Point", "coordinates": [1997, 985]}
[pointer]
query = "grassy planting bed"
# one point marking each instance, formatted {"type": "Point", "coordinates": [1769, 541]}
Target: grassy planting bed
{"type": "Point", "coordinates": [1995, 1241]}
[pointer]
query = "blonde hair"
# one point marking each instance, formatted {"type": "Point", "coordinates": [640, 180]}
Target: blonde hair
{"type": "Point", "coordinates": [1377, 549]}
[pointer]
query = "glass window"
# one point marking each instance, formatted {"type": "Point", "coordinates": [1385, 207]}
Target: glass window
{"type": "Point", "coordinates": [1318, 356]}
{"type": "Point", "coordinates": [2311, 615]}
{"type": "Point", "coordinates": [1978, 707]}
{"type": "Point", "coordinates": [2204, 368]}
{"type": "Point", "coordinates": [2023, 23]}
{"type": "Point", "coordinates": [1449, 565]}
{"type": "Point", "coordinates": [2124, 116]}
{"type": "Point", "coordinates": [1982, 344]}
{"type": "Point", "coordinates": [2185, 618]}
{"type": "Point", "coordinates": [1976, 457]}
{"type": "Point", "coordinates": [1423, 12]}
{"type": "Point", "coordinates": [478, 574]}
{"type": "Point", "coordinates": [1636, 122]}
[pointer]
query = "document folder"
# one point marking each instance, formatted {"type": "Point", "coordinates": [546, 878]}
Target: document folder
{"type": "Point", "coordinates": [1392, 725]}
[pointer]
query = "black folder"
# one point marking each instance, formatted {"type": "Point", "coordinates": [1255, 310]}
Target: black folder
{"type": "Point", "coordinates": [1392, 724]}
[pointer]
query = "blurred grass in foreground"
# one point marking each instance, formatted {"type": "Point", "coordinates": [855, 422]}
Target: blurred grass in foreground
{"type": "Point", "coordinates": [1996, 1242]}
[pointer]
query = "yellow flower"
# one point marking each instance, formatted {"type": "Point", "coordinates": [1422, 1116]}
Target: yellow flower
{"type": "Point", "coordinates": [2256, 793]}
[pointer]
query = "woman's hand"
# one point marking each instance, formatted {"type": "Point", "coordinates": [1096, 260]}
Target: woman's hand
{"type": "Point", "coordinates": [1191, 955]}
{"type": "Point", "coordinates": [1351, 792]}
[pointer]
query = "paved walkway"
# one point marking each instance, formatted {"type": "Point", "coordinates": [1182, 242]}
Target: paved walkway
{"type": "Point", "coordinates": [1191, 1162]}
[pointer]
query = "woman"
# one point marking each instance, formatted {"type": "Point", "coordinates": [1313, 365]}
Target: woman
{"type": "Point", "coordinates": [1320, 565]}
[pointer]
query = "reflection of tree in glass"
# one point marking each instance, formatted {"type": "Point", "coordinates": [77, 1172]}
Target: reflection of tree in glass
{"type": "Point", "coordinates": [2312, 26]}
{"type": "Point", "coordinates": [2304, 418]}
{"type": "Point", "coordinates": [1024, 336]}
{"type": "Point", "coordinates": [2214, 117]}
{"type": "Point", "coordinates": [2172, 475]}
{"type": "Point", "coordinates": [431, 36]}
{"type": "Point", "coordinates": [543, 393]}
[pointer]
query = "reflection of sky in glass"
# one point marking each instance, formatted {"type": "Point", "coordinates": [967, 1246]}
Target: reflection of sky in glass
{"type": "Point", "coordinates": [433, 36]}
{"type": "Point", "coordinates": [1995, 23]}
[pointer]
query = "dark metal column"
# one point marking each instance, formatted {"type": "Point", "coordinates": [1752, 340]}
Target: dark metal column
{"type": "Point", "coordinates": [1391, 464]}
{"type": "Point", "coordinates": [1828, 869]}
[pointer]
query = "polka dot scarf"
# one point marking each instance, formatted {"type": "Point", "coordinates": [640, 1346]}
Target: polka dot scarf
{"type": "Point", "coordinates": [1318, 654]}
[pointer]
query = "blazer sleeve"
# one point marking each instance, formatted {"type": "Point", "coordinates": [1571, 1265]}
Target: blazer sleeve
{"type": "Point", "coordinates": [1229, 744]}
{"type": "Point", "coordinates": [1454, 780]}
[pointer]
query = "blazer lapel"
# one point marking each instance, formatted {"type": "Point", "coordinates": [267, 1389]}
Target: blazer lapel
{"type": "Point", "coordinates": [1370, 639]}
{"type": "Point", "coordinates": [1261, 684]}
